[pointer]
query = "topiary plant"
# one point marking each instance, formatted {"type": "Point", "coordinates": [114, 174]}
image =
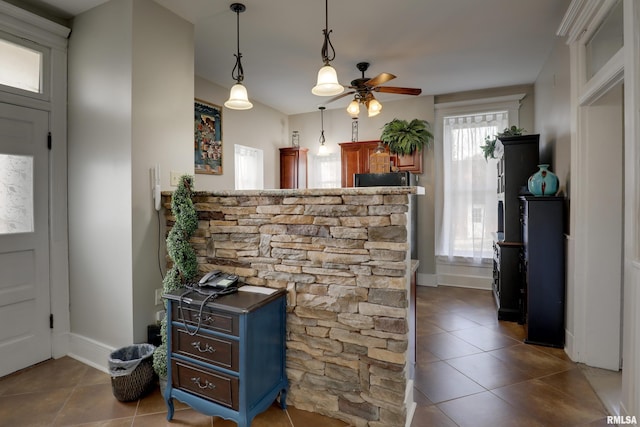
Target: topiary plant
{"type": "Point", "coordinates": [490, 142]}
{"type": "Point", "coordinates": [404, 137]}
{"type": "Point", "coordinates": [184, 262]}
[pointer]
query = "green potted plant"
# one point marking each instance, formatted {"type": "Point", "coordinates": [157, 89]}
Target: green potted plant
{"type": "Point", "coordinates": [405, 137]}
{"type": "Point", "coordinates": [184, 262]}
{"type": "Point", "coordinates": [490, 142]}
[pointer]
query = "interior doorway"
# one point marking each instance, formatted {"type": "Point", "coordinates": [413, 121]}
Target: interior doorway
{"type": "Point", "coordinates": [602, 122]}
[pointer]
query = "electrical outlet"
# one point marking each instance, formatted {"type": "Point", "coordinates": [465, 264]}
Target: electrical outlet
{"type": "Point", "coordinates": [159, 315]}
{"type": "Point", "coordinates": [174, 178]}
{"type": "Point", "coordinates": [158, 298]}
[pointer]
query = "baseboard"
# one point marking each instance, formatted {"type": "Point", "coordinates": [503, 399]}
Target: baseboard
{"type": "Point", "coordinates": [90, 352]}
{"type": "Point", "coordinates": [423, 279]}
{"type": "Point", "coordinates": [471, 282]}
{"type": "Point", "coordinates": [410, 403]}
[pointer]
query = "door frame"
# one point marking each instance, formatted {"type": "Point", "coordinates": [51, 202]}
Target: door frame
{"type": "Point", "coordinates": [581, 20]}
{"type": "Point", "coordinates": [52, 36]}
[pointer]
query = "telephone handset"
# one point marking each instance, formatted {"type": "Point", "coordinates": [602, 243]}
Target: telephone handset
{"type": "Point", "coordinates": [217, 279]}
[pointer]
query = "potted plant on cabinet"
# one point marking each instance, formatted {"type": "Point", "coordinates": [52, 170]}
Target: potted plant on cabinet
{"type": "Point", "coordinates": [491, 142]}
{"type": "Point", "coordinates": [183, 257]}
{"type": "Point", "coordinates": [403, 137]}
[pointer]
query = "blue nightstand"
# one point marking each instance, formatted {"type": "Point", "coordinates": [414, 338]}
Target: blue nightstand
{"type": "Point", "coordinates": [227, 356]}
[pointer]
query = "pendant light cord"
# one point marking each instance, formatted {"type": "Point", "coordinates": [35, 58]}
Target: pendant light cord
{"type": "Point", "coordinates": [327, 46]}
{"type": "Point", "coordinates": [322, 139]}
{"type": "Point", "coordinates": [238, 73]}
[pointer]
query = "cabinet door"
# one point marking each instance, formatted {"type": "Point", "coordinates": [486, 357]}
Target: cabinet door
{"type": "Point", "coordinates": [293, 168]}
{"type": "Point", "coordinates": [351, 163]}
{"type": "Point", "coordinates": [411, 162]}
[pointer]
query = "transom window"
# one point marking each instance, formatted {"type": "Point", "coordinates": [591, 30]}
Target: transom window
{"type": "Point", "coordinates": [21, 67]}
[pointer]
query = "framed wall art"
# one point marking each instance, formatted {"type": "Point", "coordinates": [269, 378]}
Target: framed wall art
{"type": "Point", "coordinates": [208, 138]}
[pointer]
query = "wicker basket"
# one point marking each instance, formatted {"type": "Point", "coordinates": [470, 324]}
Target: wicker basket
{"type": "Point", "coordinates": [135, 385]}
{"type": "Point", "coordinates": [132, 374]}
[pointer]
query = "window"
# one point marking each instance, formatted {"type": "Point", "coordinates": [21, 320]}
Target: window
{"type": "Point", "coordinates": [325, 171]}
{"type": "Point", "coordinates": [469, 206]}
{"type": "Point", "coordinates": [16, 194]}
{"type": "Point", "coordinates": [249, 168]}
{"type": "Point", "coordinates": [20, 67]}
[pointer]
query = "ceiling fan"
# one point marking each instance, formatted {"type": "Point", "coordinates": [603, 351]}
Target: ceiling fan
{"type": "Point", "coordinates": [363, 89]}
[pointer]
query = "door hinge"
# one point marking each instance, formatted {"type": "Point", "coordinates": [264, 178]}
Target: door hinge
{"type": "Point", "coordinates": [51, 321]}
{"type": "Point", "coordinates": [49, 140]}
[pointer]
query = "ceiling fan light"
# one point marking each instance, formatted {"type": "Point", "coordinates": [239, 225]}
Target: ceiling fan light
{"type": "Point", "coordinates": [327, 84]}
{"type": "Point", "coordinates": [374, 107]}
{"type": "Point", "coordinates": [354, 108]}
{"type": "Point", "coordinates": [238, 99]}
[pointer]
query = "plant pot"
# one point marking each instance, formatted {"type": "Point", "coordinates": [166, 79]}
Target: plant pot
{"type": "Point", "coordinates": [543, 182]}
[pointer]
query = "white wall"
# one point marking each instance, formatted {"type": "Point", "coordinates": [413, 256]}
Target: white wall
{"type": "Point", "coordinates": [260, 127]}
{"type": "Point", "coordinates": [337, 129]}
{"type": "Point", "coordinates": [162, 132]}
{"type": "Point", "coordinates": [553, 123]}
{"type": "Point", "coordinates": [130, 98]}
{"type": "Point", "coordinates": [100, 192]}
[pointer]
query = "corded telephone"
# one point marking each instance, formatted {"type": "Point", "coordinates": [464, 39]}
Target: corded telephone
{"type": "Point", "coordinates": [217, 279]}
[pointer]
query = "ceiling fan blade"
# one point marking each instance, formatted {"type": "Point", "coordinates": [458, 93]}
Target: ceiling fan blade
{"type": "Point", "coordinates": [342, 95]}
{"type": "Point", "coordinates": [379, 79]}
{"type": "Point", "coordinates": [398, 90]}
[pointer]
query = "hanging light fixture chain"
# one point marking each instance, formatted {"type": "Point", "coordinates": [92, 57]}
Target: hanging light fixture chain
{"type": "Point", "coordinates": [327, 46]}
{"type": "Point", "coordinates": [238, 72]}
{"type": "Point", "coordinates": [321, 139]}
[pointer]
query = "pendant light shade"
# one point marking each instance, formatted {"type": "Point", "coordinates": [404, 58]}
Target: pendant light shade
{"type": "Point", "coordinates": [327, 83]}
{"type": "Point", "coordinates": [238, 99]}
{"type": "Point", "coordinates": [373, 107]}
{"type": "Point", "coordinates": [354, 108]}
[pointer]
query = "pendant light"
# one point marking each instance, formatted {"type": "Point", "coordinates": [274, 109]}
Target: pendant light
{"type": "Point", "coordinates": [327, 83]}
{"type": "Point", "coordinates": [322, 150]}
{"type": "Point", "coordinates": [238, 99]}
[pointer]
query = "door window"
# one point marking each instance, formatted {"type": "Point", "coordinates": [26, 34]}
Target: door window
{"type": "Point", "coordinates": [16, 194]}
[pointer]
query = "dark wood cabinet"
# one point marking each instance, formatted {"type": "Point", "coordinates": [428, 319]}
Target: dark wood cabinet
{"type": "Point", "coordinates": [519, 161]}
{"type": "Point", "coordinates": [354, 157]}
{"type": "Point", "coordinates": [508, 285]}
{"type": "Point", "coordinates": [544, 269]}
{"type": "Point", "coordinates": [293, 167]}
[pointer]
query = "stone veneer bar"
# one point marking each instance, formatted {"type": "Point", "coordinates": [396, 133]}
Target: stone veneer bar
{"type": "Point", "coordinates": [343, 256]}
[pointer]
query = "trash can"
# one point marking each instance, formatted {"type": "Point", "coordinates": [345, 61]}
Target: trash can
{"type": "Point", "coordinates": [132, 374]}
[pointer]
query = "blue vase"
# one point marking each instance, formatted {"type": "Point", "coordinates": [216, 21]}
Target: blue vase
{"type": "Point", "coordinates": [543, 183]}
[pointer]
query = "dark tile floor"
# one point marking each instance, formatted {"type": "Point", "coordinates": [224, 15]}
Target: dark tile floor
{"type": "Point", "coordinates": [472, 371]}
{"type": "Point", "coordinates": [475, 371]}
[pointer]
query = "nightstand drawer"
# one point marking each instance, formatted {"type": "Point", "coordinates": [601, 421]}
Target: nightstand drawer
{"type": "Point", "coordinates": [210, 319]}
{"type": "Point", "coordinates": [211, 385]}
{"type": "Point", "coordinates": [218, 351]}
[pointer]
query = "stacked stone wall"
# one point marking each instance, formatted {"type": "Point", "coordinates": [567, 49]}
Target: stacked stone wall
{"type": "Point", "coordinates": [343, 258]}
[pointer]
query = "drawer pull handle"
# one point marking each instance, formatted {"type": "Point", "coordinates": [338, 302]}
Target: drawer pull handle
{"type": "Point", "coordinates": [207, 384]}
{"type": "Point", "coordinates": [207, 348]}
{"type": "Point", "coordinates": [208, 319]}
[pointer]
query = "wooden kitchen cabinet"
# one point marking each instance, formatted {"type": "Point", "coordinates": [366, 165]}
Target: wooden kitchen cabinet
{"type": "Point", "coordinates": [354, 157]}
{"type": "Point", "coordinates": [293, 167]}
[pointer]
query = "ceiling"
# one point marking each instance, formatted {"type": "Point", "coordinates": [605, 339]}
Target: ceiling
{"type": "Point", "coordinates": [440, 46]}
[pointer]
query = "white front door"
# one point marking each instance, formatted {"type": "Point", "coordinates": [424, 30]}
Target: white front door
{"type": "Point", "coordinates": [25, 334]}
